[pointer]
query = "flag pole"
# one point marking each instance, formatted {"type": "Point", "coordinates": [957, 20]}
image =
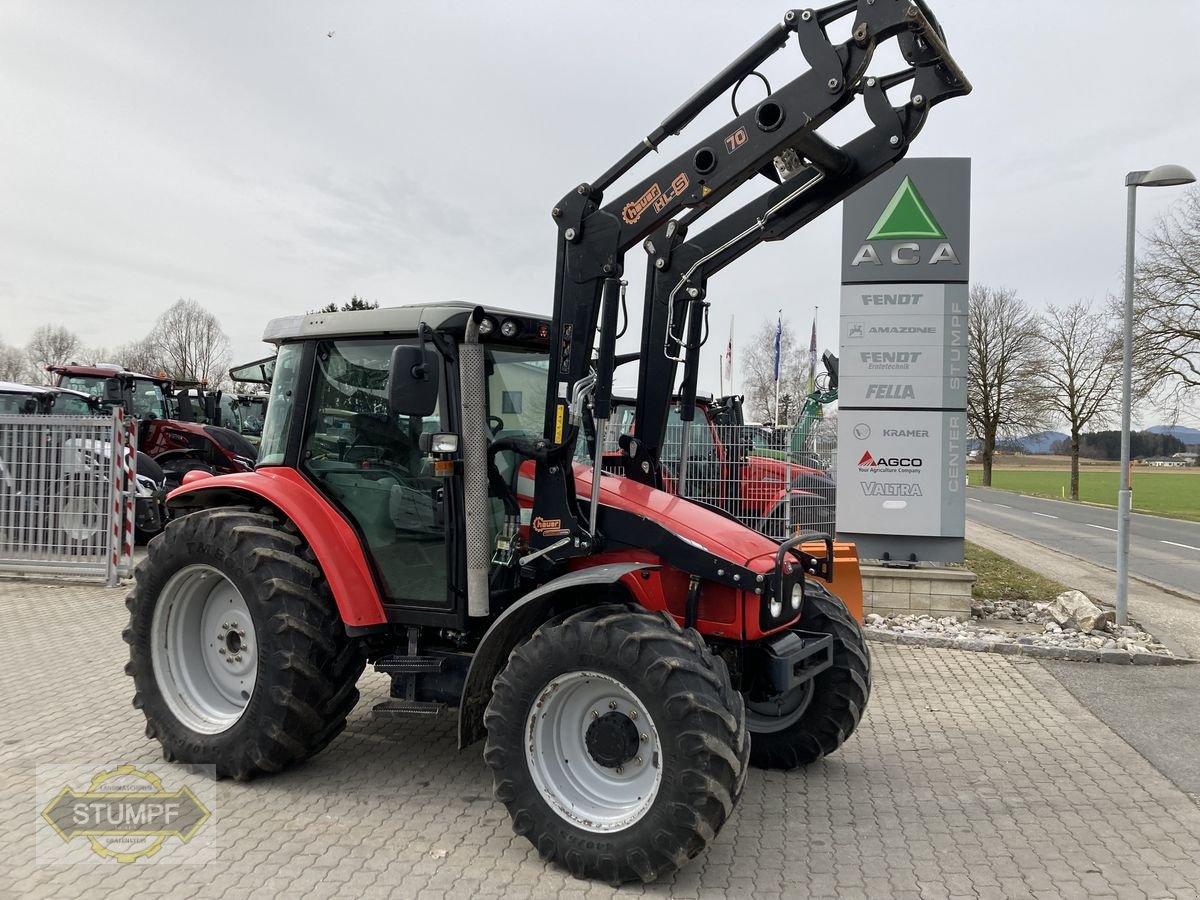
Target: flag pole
{"type": "Point", "coordinates": [778, 362]}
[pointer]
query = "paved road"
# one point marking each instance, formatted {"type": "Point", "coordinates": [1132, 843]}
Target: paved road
{"type": "Point", "coordinates": [1155, 708]}
{"type": "Point", "coordinates": [972, 775]}
{"type": "Point", "coordinates": [1163, 550]}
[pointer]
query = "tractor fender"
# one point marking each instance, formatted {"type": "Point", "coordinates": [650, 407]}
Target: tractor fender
{"type": "Point", "coordinates": [511, 627]}
{"type": "Point", "coordinates": [332, 540]}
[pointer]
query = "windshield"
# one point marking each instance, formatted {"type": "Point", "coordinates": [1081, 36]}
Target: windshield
{"type": "Point", "coordinates": [252, 413]}
{"type": "Point", "coordinates": [146, 400]}
{"type": "Point", "coordinates": [17, 404]}
{"type": "Point", "coordinates": [279, 410]}
{"type": "Point", "coordinates": [69, 405]}
{"type": "Point", "coordinates": [517, 391]}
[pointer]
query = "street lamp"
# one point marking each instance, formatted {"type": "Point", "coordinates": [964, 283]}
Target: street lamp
{"type": "Point", "coordinates": [1160, 176]}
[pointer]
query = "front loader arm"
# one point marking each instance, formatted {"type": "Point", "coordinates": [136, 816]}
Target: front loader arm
{"type": "Point", "coordinates": [678, 269]}
{"type": "Point", "coordinates": [593, 237]}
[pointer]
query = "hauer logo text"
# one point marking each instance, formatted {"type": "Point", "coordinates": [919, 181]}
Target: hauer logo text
{"type": "Point", "coordinates": [907, 220]}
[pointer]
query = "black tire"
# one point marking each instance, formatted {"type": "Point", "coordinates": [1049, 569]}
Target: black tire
{"type": "Point", "coordinates": [839, 694]}
{"type": "Point", "coordinates": [688, 696]}
{"type": "Point", "coordinates": [307, 667]}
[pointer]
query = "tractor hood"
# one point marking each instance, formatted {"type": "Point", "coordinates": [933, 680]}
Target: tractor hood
{"type": "Point", "coordinates": [699, 525]}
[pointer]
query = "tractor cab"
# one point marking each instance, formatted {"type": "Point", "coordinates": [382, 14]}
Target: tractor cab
{"type": "Point", "coordinates": [329, 418]}
{"type": "Point", "coordinates": [43, 400]}
{"type": "Point", "coordinates": [143, 396]}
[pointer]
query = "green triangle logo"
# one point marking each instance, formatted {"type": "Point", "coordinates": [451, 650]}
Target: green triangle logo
{"type": "Point", "coordinates": [906, 217]}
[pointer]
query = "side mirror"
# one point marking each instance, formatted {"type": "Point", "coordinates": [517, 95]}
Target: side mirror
{"type": "Point", "coordinates": [184, 411]}
{"type": "Point", "coordinates": [212, 408]}
{"type": "Point", "coordinates": [413, 381]}
{"type": "Point", "coordinates": [113, 395]}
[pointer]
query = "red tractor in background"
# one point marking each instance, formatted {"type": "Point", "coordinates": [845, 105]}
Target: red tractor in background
{"type": "Point", "coordinates": [625, 652]}
{"type": "Point", "coordinates": [773, 496]}
{"type": "Point", "coordinates": [178, 422]}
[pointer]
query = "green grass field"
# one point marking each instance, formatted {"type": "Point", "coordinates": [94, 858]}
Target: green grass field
{"type": "Point", "coordinates": [1158, 492]}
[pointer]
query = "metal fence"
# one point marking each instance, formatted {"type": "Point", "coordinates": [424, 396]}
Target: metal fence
{"type": "Point", "coordinates": [67, 495]}
{"type": "Point", "coordinates": [778, 481]}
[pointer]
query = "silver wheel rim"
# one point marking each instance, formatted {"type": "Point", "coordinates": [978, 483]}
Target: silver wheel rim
{"type": "Point", "coordinates": [81, 518]}
{"type": "Point", "coordinates": [204, 649]}
{"type": "Point", "coordinates": [779, 713]}
{"type": "Point", "coordinates": [591, 796]}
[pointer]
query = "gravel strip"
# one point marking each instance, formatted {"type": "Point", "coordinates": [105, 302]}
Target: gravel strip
{"type": "Point", "coordinates": [1019, 628]}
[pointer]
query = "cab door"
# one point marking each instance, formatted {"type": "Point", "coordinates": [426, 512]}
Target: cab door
{"type": "Point", "coordinates": [368, 462]}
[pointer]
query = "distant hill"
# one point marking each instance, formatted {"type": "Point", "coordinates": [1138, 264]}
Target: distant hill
{"type": "Point", "coordinates": [1041, 442]}
{"type": "Point", "coordinates": [1185, 434]}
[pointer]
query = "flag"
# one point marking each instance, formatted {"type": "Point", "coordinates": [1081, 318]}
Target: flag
{"type": "Point", "coordinates": [812, 358]}
{"type": "Point", "coordinates": [778, 344]}
{"type": "Point", "coordinates": [729, 357]}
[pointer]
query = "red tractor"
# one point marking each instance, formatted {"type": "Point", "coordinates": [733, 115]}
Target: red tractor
{"type": "Point", "coordinates": [175, 424]}
{"type": "Point", "coordinates": [724, 470]}
{"type": "Point", "coordinates": [625, 653]}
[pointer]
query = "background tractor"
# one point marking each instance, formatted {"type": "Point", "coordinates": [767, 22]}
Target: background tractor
{"type": "Point", "coordinates": [417, 503]}
{"type": "Point", "coordinates": [175, 428]}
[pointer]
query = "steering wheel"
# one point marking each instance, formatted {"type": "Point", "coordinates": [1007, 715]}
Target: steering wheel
{"type": "Point", "coordinates": [496, 424]}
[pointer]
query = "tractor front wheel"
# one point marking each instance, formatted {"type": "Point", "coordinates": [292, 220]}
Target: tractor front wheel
{"type": "Point", "coordinates": [237, 652]}
{"type": "Point", "coordinates": [817, 717]}
{"type": "Point", "coordinates": [617, 743]}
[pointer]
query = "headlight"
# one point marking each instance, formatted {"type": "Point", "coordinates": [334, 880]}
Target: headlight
{"type": "Point", "coordinates": [486, 326]}
{"type": "Point", "coordinates": [776, 607]}
{"type": "Point", "coordinates": [797, 595]}
{"type": "Point", "coordinates": [510, 327]}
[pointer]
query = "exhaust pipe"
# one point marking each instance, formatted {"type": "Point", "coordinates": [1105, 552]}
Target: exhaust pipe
{"type": "Point", "coordinates": [473, 399]}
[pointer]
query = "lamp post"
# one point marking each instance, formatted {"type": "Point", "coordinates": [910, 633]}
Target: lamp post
{"type": "Point", "coordinates": [1161, 176]}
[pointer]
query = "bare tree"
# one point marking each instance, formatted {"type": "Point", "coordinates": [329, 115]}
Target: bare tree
{"type": "Point", "coordinates": [139, 356]}
{"type": "Point", "coordinates": [1004, 392]}
{"type": "Point", "coordinates": [1166, 320]}
{"type": "Point", "coordinates": [14, 365]}
{"type": "Point", "coordinates": [757, 367]}
{"type": "Point", "coordinates": [1081, 369]}
{"type": "Point", "coordinates": [189, 343]}
{"type": "Point", "coordinates": [51, 345]}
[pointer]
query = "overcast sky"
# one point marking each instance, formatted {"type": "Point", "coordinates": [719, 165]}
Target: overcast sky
{"type": "Point", "coordinates": [233, 153]}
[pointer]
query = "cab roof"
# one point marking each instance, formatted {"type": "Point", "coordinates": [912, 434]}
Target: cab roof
{"type": "Point", "coordinates": [443, 316]}
{"type": "Point", "coordinates": [12, 387]}
{"type": "Point", "coordinates": [103, 370]}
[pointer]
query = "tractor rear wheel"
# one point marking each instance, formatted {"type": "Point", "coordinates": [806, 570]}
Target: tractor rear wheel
{"type": "Point", "coordinates": [237, 652]}
{"type": "Point", "coordinates": [617, 743]}
{"type": "Point", "coordinates": [820, 715]}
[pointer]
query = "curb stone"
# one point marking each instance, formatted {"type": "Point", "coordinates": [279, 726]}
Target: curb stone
{"type": "Point", "coordinates": [1007, 648]}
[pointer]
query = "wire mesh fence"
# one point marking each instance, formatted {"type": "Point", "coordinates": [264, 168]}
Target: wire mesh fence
{"type": "Point", "coordinates": [780, 482]}
{"type": "Point", "coordinates": [66, 486]}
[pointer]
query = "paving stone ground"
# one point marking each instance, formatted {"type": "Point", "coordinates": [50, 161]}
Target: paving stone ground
{"type": "Point", "coordinates": [973, 775]}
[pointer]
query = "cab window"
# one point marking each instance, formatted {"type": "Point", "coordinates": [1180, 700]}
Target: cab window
{"type": "Point", "coordinates": [368, 461]}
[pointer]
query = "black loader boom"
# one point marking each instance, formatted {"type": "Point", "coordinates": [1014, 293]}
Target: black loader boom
{"type": "Point", "coordinates": [777, 138]}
